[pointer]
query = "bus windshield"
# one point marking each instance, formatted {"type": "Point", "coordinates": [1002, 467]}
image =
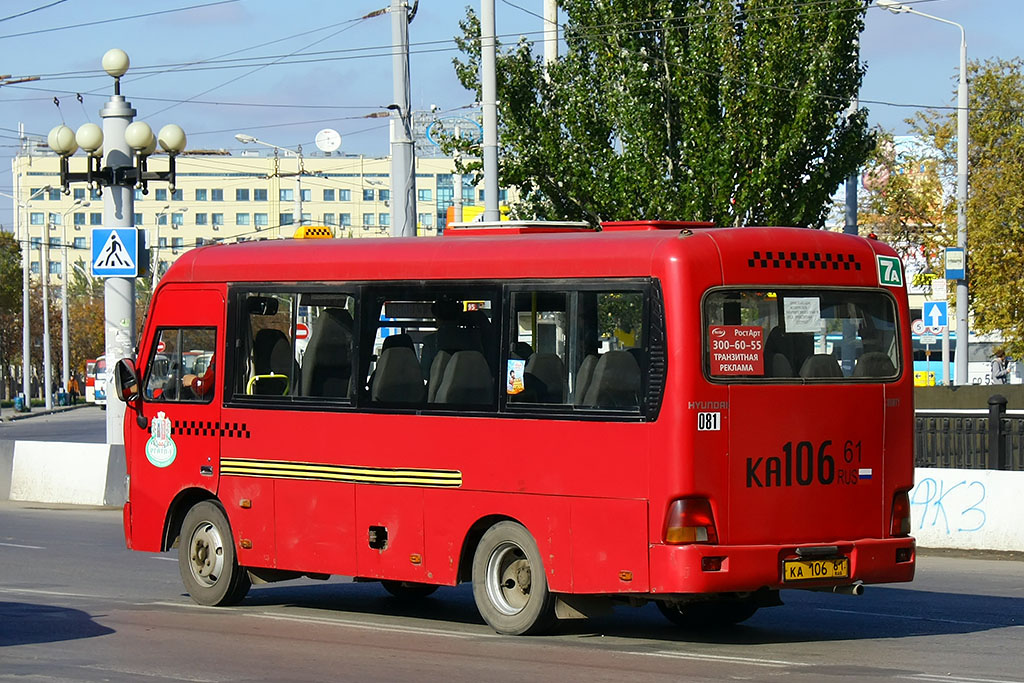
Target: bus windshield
{"type": "Point", "coordinates": [801, 335]}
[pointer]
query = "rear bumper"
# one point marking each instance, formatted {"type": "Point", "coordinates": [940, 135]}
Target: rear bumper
{"type": "Point", "coordinates": [680, 568]}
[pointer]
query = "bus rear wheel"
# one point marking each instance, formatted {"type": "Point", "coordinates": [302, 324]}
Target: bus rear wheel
{"type": "Point", "coordinates": [509, 584]}
{"type": "Point", "coordinates": [206, 557]}
{"type": "Point", "coordinates": [710, 613]}
{"type": "Point", "coordinates": [408, 590]}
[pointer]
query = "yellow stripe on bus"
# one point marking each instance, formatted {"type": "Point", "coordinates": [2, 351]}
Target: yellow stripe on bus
{"type": "Point", "coordinates": [341, 473]}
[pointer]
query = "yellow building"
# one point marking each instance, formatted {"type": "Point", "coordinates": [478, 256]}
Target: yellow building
{"type": "Point", "coordinates": [222, 197]}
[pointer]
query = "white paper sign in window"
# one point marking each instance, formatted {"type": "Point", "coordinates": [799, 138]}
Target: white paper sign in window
{"type": "Point", "coordinates": [802, 313]}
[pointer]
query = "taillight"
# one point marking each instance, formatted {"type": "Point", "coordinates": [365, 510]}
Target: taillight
{"type": "Point", "coordinates": [900, 514]}
{"type": "Point", "coordinates": [689, 520]}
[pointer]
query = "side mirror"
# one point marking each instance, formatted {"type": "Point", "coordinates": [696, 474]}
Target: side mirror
{"type": "Point", "coordinates": [126, 382]}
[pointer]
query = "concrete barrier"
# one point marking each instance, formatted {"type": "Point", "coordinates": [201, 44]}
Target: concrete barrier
{"type": "Point", "coordinates": [72, 473]}
{"type": "Point", "coordinates": [968, 509]}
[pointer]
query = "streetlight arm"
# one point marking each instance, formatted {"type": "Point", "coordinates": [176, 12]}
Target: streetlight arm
{"type": "Point", "coordinates": [248, 139]}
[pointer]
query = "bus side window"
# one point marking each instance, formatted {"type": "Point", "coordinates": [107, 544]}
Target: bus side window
{"type": "Point", "coordinates": [267, 365]}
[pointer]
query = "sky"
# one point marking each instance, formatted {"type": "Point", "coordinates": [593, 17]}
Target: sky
{"type": "Point", "coordinates": [284, 70]}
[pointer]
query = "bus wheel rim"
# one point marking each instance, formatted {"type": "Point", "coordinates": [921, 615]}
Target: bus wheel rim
{"type": "Point", "coordinates": [206, 554]}
{"type": "Point", "coordinates": [509, 579]}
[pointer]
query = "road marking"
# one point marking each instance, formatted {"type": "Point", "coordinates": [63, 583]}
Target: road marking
{"type": "Point", "coordinates": [751, 661]}
{"type": "Point", "coordinates": [178, 676]}
{"type": "Point", "coordinates": [909, 617]}
{"type": "Point", "coordinates": [953, 677]}
{"type": "Point", "coordinates": [350, 623]}
{"type": "Point", "coordinates": [165, 559]}
{"type": "Point", "coordinates": [18, 545]}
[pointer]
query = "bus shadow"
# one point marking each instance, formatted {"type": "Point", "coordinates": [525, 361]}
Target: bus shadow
{"type": "Point", "coordinates": [806, 617]}
{"type": "Point", "coordinates": [23, 623]}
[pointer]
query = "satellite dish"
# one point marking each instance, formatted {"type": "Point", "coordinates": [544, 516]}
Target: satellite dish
{"type": "Point", "coordinates": [328, 140]}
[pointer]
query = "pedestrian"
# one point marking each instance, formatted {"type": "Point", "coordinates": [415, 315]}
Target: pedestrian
{"type": "Point", "coordinates": [1000, 367]}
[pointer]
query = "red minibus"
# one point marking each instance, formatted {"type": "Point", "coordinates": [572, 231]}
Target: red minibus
{"type": "Point", "coordinates": [565, 417]}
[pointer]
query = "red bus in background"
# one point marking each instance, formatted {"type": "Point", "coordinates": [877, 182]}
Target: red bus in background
{"type": "Point", "coordinates": [654, 411]}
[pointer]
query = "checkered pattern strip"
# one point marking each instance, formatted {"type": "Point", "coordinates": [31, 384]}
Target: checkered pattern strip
{"type": "Point", "coordinates": [232, 430]}
{"type": "Point", "coordinates": [803, 259]}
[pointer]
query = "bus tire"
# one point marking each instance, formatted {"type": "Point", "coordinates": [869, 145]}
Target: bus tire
{"type": "Point", "coordinates": [509, 584]}
{"type": "Point", "coordinates": [408, 590]}
{"type": "Point", "coordinates": [207, 560]}
{"type": "Point", "coordinates": [708, 614]}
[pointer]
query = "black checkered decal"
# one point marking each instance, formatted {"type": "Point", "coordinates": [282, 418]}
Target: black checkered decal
{"type": "Point", "coordinates": [811, 260]}
{"type": "Point", "coordinates": [232, 430]}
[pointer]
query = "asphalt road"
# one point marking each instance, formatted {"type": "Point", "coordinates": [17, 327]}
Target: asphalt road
{"type": "Point", "coordinates": [76, 606]}
{"type": "Point", "coordinates": [85, 424]}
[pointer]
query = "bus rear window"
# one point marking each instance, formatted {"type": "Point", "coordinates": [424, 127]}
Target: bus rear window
{"type": "Point", "coordinates": [800, 335]}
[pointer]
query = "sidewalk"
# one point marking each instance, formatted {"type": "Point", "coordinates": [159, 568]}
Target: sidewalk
{"type": "Point", "coordinates": [9, 415]}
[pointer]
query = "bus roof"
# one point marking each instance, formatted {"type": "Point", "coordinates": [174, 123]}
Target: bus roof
{"type": "Point", "coordinates": [627, 249]}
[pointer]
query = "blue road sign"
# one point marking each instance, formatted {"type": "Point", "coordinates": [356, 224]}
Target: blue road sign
{"type": "Point", "coordinates": [934, 314]}
{"type": "Point", "coordinates": [115, 252]}
{"type": "Point", "coordinates": [956, 266]}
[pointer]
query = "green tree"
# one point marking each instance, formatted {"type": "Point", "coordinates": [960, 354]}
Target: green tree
{"type": "Point", "coordinates": [10, 309]}
{"type": "Point", "coordinates": [995, 210]}
{"type": "Point", "coordinates": [727, 110]}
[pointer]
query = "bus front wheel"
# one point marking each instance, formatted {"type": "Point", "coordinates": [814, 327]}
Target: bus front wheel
{"type": "Point", "coordinates": [711, 613]}
{"type": "Point", "coordinates": [206, 557]}
{"type": "Point", "coordinates": [509, 585]}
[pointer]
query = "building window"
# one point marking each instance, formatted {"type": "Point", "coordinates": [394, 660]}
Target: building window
{"type": "Point", "coordinates": [161, 219]}
{"type": "Point", "coordinates": [35, 242]}
{"type": "Point", "coordinates": [177, 219]}
{"type": "Point", "coordinates": [367, 195]}
{"type": "Point", "coordinates": [177, 243]}
{"type": "Point", "coordinates": [384, 218]}
{"type": "Point", "coordinates": [55, 219]}
{"type": "Point", "coordinates": [79, 218]}
{"type": "Point", "coordinates": [285, 218]}
{"type": "Point", "coordinates": [306, 219]}
{"type": "Point", "coordinates": [95, 219]}
{"type": "Point", "coordinates": [426, 219]}
{"type": "Point", "coordinates": [467, 194]}
{"type": "Point", "coordinates": [163, 242]}
{"type": "Point", "coordinates": [259, 195]}
{"type": "Point", "coordinates": [345, 219]}
{"type": "Point", "coordinates": [328, 195]}
{"type": "Point", "coordinates": [307, 195]}
{"type": "Point", "coordinates": [36, 218]}
{"type": "Point", "coordinates": [79, 193]}
{"type": "Point", "coordinates": [178, 195]}
{"type": "Point", "coordinates": [260, 220]}
{"type": "Point", "coordinates": [242, 194]}
{"type": "Point", "coordinates": [425, 195]}
{"type": "Point", "coordinates": [384, 195]}
{"type": "Point", "coordinates": [217, 219]}
{"type": "Point", "coordinates": [217, 195]}
{"type": "Point", "coordinates": [79, 243]}
{"type": "Point", "coordinates": [344, 195]}
{"type": "Point", "coordinates": [161, 194]}
{"type": "Point", "coordinates": [95, 194]}
{"type": "Point", "coordinates": [137, 217]}
{"type": "Point", "coordinates": [53, 195]}
{"type": "Point", "coordinates": [329, 219]}
{"type": "Point", "coordinates": [201, 195]}
{"type": "Point", "coordinates": [54, 243]}
{"type": "Point", "coordinates": [138, 195]}
{"type": "Point", "coordinates": [368, 218]}
{"type": "Point", "coordinates": [286, 195]}
{"type": "Point", "coordinates": [200, 219]}
{"type": "Point", "coordinates": [35, 268]}
{"type": "Point", "coordinates": [241, 219]}
{"type": "Point", "coordinates": [54, 267]}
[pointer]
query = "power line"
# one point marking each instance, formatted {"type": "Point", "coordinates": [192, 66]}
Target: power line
{"type": "Point", "coordinates": [99, 22]}
{"type": "Point", "coordinates": [37, 9]}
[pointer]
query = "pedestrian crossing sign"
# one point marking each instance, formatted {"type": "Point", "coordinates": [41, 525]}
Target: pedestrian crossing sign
{"type": "Point", "coordinates": [115, 252]}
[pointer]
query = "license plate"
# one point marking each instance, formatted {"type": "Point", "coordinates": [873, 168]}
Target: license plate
{"type": "Point", "coordinates": [813, 570]}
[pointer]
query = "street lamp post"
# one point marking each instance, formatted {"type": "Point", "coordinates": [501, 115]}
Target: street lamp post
{"type": "Point", "coordinates": [961, 183]}
{"type": "Point", "coordinates": [24, 240]}
{"type": "Point", "coordinates": [249, 139]}
{"type": "Point", "coordinates": [120, 167]}
{"type": "Point", "coordinates": [64, 335]}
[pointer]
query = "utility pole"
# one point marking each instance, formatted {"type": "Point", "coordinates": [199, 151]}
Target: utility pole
{"type": "Point", "coordinates": [489, 87]}
{"type": "Point", "coordinates": [850, 227]}
{"type": "Point", "coordinates": [44, 273]}
{"type": "Point", "coordinates": [403, 160]}
{"type": "Point", "coordinates": [550, 34]}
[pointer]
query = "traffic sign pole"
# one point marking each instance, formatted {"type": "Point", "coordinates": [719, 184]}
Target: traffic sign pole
{"type": "Point", "coordinates": [118, 292]}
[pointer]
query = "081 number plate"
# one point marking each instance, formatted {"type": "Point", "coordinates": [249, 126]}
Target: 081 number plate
{"type": "Point", "coordinates": [814, 570]}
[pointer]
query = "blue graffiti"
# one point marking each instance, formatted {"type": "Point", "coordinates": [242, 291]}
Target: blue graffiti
{"type": "Point", "coordinates": [939, 499]}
